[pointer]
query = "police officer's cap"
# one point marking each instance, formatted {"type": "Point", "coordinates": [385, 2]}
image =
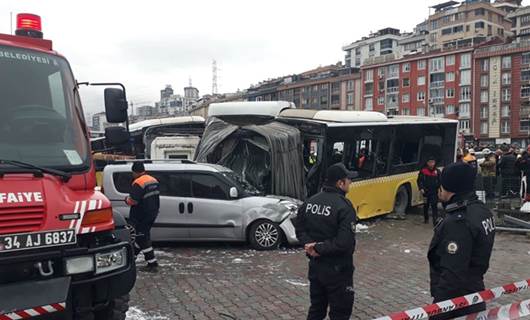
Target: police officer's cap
{"type": "Point", "coordinates": [138, 167]}
{"type": "Point", "coordinates": [337, 172]}
{"type": "Point", "coordinates": [458, 178]}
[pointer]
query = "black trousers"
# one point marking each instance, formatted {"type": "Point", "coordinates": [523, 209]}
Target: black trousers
{"type": "Point", "coordinates": [143, 238]}
{"type": "Point", "coordinates": [430, 200]}
{"type": "Point", "coordinates": [489, 186]}
{"type": "Point", "coordinates": [330, 286]}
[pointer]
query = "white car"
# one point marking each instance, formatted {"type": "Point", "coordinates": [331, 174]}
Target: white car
{"type": "Point", "coordinates": [206, 202]}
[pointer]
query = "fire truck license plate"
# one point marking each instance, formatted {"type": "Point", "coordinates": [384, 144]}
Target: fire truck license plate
{"type": "Point", "coordinates": [24, 241]}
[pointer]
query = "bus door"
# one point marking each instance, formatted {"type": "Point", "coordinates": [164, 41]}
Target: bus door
{"type": "Point", "coordinates": [313, 150]}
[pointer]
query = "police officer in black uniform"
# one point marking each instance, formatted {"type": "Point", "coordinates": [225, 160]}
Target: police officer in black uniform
{"type": "Point", "coordinates": [461, 247]}
{"type": "Point", "coordinates": [326, 227]}
{"type": "Point", "coordinates": [144, 201]}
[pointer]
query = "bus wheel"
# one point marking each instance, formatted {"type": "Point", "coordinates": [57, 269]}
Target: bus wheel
{"type": "Point", "coordinates": [401, 202]}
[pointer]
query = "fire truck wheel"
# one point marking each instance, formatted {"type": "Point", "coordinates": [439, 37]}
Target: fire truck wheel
{"type": "Point", "coordinates": [116, 310]}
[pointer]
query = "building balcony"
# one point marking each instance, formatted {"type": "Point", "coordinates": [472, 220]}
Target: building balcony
{"type": "Point", "coordinates": [436, 100]}
{"type": "Point", "coordinates": [392, 89]}
{"type": "Point", "coordinates": [437, 84]}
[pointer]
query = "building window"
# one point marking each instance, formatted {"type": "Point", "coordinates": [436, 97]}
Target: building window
{"type": "Point", "coordinates": [421, 65]}
{"type": "Point", "coordinates": [484, 65]}
{"type": "Point", "coordinates": [465, 93]}
{"type": "Point", "coordinates": [463, 110]}
{"type": "Point", "coordinates": [484, 81]}
{"type": "Point", "coordinates": [369, 75]}
{"type": "Point", "coordinates": [406, 82]}
{"type": "Point", "coordinates": [450, 109]}
{"type": "Point", "coordinates": [479, 25]}
{"type": "Point", "coordinates": [506, 94]}
{"type": "Point", "coordinates": [381, 101]}
{"type": "Point", "coordinates": [483, 112]}
{"type": "Point", "coordinates": [324, 87]}
{"type": "Point", "coordinates": [505, 111]}
{"type": "Point", "coordinates": [506, 79]}
{"type": "Point", "coordinates": [525, 20]}
{"type": "Point", "coordinates": [506, 62]}
{"type": "Point", "coordinates": [406, 67]}
{"type": "Point", "coordinates": [465, 77]}
{"type": "Point", "coordinates": [350, 85]}
{"type": "Point", "coordinates": [421, 96]}
{"type": "Point", "coordinates": [421, 80]}
{"type": "Point", "coordinates": [450, 93]}
{"type": "Point", "coordinates": [349, 97]}
{"type": "Point", "coordinates": [524, 125]}
{"type": "Point", "coordinates": [436, 64]}
{"type": "Point", "coordinates": [484, 96]}
{"type": "Point", "coordinates": [420, 112]}
{"type": "Point", "coordinates": [405, 111]}
{"type": "Point", "coordinates": [480, 12]}
{"type": "Point", "coordinates": [505, 126]}
{"type": "Point", "coordinates": [484, 127]}
{"type": "Point", "coordinates": [450, 60]}
{"type": "Point", "coordinates": [405, 98]}
{"type": "Point", "coordinates": [526, 58]}
{"type": "Point", "coordinates": [465, 61]}
{"type": "Point", "coordinates": [525, 91]}
{"type": "Point", "coordinates": [315, 88]}
{"type": "Point", "coordinates": [450, 76]}
{"type": "Point", "coordinates": [463, 125]}
{"type": "Point", "coordinates": [368, 104]}
{"type": "Point", "coordinates": [381, 72]}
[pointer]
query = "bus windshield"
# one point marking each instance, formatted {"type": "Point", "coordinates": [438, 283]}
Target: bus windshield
{"type": "Point", "coordinates": [40, 122]}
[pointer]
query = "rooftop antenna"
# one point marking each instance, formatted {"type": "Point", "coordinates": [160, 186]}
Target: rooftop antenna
{"type": "Point", "coordinates": [214, 77]}
{"type": "Point", "coordinates": [190, 81]}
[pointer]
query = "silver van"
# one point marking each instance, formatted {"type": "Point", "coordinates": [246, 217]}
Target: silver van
{"type": "Point", "coordinates": [206, 202]}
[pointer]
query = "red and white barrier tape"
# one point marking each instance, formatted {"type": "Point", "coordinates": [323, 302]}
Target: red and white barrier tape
{"type": "Point", "coordinates": [33, 312]}
{"type": "Point", "coordinates": [458, 303]}
{"type": "Point", "coordinates": [512, 311]}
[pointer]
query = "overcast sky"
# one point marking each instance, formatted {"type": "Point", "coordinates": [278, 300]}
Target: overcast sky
{"type": "Point", "coordinates": [148, 44]}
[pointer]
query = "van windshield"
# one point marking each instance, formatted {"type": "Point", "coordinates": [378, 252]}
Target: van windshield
{"type": "Point", "coordinates": [242, 183]}
{"type": "Point", "coordinates": [40, 123]}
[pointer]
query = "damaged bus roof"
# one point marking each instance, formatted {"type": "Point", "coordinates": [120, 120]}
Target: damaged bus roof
{"type": "Point", "coordinates": [138, 126]}
{"type": "Point", "coordinates": [340, 118]}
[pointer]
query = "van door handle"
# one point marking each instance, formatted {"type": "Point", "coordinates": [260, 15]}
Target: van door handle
{"type": "Point", "coordinates": [181, 207]}
{"type": "Point", "coordinates": [190, 208]}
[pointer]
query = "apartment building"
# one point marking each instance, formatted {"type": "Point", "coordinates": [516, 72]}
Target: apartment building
{"type": "Point", "coordinates": [471, 22]}
{"type": "Point", "coordinates": [334, 87]}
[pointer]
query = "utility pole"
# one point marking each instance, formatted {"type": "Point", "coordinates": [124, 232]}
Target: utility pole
{"type": "Point", "coordinates": [11, 22]}
{"type": "Point", "coordinates": [214, 77]}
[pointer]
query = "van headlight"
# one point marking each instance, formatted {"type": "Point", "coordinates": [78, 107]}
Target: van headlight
{"type": "Point", "coordinates": [110, 261]}
{"type": "Point", "coordinates": [291, 207]}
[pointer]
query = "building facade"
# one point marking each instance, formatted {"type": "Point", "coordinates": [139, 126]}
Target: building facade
{"type": "Point", "coordinates": [502, 97]}
{"type": "Point", "coordinates": [383, 42]}
{"type": "Point", "coordinates": [469, 23]}
{"type": "Point", "coordinates": [487, 88]}
{"type": "Point", "coordinates": [333, 87]}
{"type": "Point", "coordinates": [521, 24]}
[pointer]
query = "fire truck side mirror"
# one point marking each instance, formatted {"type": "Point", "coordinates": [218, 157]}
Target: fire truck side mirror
{"type": "Point", "coordinates": [115, 105]}
{"type": "Point", "coordinates": [116, 136]}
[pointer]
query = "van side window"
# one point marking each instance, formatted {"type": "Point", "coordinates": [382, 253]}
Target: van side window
{"type": "Point", "coordinates": [122, 181]}
{"type": "Point", "coordinates": [208, 187]}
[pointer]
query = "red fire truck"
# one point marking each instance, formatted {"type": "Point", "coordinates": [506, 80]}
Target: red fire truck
{"type": "Point", "coordinates": [62, 252]}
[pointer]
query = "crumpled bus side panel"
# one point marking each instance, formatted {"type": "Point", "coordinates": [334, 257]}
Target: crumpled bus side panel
{"type": "Point", "coordinates": [267, 155]}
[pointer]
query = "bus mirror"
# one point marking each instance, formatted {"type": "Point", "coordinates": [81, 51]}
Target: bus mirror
{"type": "Point", "coordinates": [115, 105]}
{"type": "Point", "coordinates": [116, 136]}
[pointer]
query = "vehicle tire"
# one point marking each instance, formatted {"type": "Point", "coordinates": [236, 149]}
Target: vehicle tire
{"type": "Point", "coordinates": [265, 235]}
{"type": "Point", "coordinates": [401, 203]}
{"type": "Point", "coordinates": [115, 310]}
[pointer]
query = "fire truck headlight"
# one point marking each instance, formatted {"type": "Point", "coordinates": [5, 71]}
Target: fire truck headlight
{"type": "Point", "coordinates": [79, 265]}
{"type": "Point", "coordinates": [110, 261]}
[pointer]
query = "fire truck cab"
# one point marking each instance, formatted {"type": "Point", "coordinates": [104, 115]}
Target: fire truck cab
{"type": "Point", "coordinates": [62, 252]}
